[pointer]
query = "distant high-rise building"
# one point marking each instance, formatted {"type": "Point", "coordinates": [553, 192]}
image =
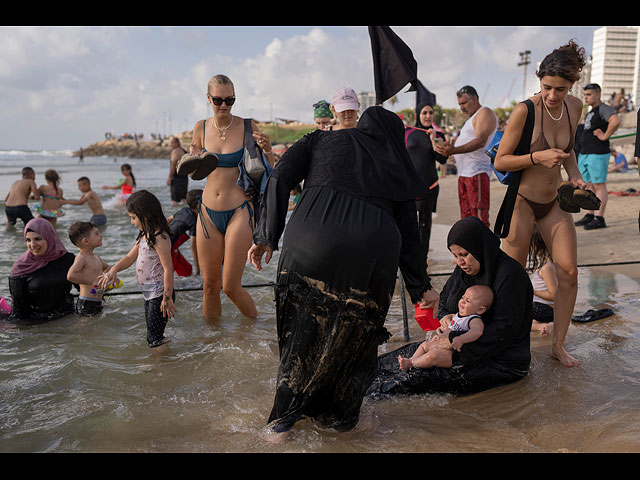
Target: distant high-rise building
{"type": "Point", "coordinates": [615, 63]}
{"type": "Point", "coordinates": [366, 99]}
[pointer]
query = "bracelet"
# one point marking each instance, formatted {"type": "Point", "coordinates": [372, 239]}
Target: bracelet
{"type": "Point", "coordinates": [532, 162]}
{"type": "Point", "coordinates": [267, 153]}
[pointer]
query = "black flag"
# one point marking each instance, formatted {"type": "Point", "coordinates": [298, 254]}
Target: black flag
{"type": "Point", "coordinates": [423, 95]}
{"type": "Point", "coordinates": [393, 63]}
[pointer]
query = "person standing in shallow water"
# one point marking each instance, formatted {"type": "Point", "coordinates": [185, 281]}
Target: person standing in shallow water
{"type": "Point", "coordinates": [226, 211]}
{"type": "Point", "coordinates": [556, 118]}
{"type": "Point", "coordinates": [352, 228]}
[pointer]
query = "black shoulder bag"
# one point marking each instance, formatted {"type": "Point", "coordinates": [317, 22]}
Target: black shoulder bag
{"type": "Point", "coordinates": [503, 220]}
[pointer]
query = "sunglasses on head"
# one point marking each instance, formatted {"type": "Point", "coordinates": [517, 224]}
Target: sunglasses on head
{"type": "Point", "coordinates": [218, 100]}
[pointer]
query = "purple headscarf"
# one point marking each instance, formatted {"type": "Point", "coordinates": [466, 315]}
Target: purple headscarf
{"type": "Point", "coordinates": [28, 262]}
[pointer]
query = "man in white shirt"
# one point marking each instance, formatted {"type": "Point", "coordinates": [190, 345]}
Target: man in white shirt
{"type": "Point", "coordinates": [473, 165]}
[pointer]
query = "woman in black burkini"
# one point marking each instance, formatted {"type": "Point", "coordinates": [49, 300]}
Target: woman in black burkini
{"type": "Point", "coordinates": [354, 225]}
{"type": "Point", "coordinates": [424, 157]}
{"type": "Point", "coordinates": [501, 355]}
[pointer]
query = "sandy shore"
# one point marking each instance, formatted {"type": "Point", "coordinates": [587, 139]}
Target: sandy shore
{"type": "Point", "coordinates": [616, 243]}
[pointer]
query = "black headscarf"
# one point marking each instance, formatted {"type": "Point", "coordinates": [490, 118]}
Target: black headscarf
{"type": "Point", "coordinates": [474, 236]}
{"type": "Point", "coordinates": [418, 110]}
{"type": "Point", "coordinates": [381, 158]}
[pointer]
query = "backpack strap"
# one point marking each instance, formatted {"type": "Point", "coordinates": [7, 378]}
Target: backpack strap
{"type": "Point", "coordinates": [503, 220]}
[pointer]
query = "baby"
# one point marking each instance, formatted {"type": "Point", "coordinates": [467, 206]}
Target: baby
{"type": "Point", "coordinates": [87, 267]}
{"type": "Point", "coordinates": [437, 351]}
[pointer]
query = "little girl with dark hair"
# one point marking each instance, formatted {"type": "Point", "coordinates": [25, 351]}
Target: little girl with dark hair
{"type": "Point", "coordinates": [154, 268]}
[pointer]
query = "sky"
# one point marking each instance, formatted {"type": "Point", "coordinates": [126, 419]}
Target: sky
{"type": "Point", "coordinates": [63, 87]}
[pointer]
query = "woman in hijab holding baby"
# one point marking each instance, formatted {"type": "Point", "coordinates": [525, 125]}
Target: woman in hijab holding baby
{"type": "Point", "coordinates": [502, 353]}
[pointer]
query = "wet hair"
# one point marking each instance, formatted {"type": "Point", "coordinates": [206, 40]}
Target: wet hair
{"type": "Point", "coordinates": [146, 206]}
{"type": "Point", "coordinates": [485, 293]}
{"type": "Point", "coordinates": [566, 61]}
{"type": "Point", "coordinates": [84, 180]}
{"type": "Point", "coordinates": [219, 80]}
{"type": "Point", "coordinates": [192, 197]}
{"type": "Point", "coordinates": [53, 177]}
{"type": "Point", "coordinates": [80, 230]}
{"type": "Point", "coordinates": [27, 171]}
{"type": "Point", "coordinates": [538, 252]}
{"type": "Point", "coordinates": [126, 166]}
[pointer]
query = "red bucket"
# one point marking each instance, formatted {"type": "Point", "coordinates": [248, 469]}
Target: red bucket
{"type": "Point", "coordinates": [424, 317]}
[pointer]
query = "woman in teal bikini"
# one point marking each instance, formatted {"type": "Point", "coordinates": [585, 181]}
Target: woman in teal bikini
{"type": "Point", "coordinates": [226, 213]}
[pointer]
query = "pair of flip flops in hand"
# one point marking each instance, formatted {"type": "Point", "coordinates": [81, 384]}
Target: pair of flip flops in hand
{"type": "Point", "coordinates": [572, 199]}
{"type": "Point", "coordinates": [198, 166]}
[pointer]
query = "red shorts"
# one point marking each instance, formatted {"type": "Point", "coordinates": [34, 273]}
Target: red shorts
{"type": "Point", "coordinates": [473, 193]}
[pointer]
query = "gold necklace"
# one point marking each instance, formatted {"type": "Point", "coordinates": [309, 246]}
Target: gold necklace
{"type": "Point", "coordinates": [552, 117]}
{"type": "Point", "coordinates": [222, 132]}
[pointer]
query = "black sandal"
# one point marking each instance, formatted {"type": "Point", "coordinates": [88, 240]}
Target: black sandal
{"type": "Point", "coordinates": [566, 199]}
{"type": "Point", "coordinates": [209, 162]}
{"type": "Point", "coordinates": [198, 166]}
{"type": "Point", "coordinates": [586, 199]}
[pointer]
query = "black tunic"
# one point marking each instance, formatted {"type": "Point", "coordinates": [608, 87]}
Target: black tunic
{"type": "Point", "coordinates": [337, 270]}
{"type": "Point", "coordinates": [44, 294]}
{"type": "Point", "coordinates": [502, 354]}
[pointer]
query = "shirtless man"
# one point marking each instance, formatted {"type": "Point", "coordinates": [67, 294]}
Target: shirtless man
{"type": "Point", "coordinates": [178, 183]}
{"type": "Point", "coordinates": [16, 201]}
{"type": "Point", "coordinates": [87, 267]}
{"type": "Point", "coordinates": [91, 199]}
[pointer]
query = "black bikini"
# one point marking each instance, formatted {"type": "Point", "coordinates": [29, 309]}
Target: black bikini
{"type": "Point", "coordinates": [541, 209]}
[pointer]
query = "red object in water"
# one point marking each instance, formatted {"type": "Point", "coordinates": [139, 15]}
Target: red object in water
{"type": "Point", "coordinates": [180, 264]}
{"type": "Point", "coordinates": [424, 317]}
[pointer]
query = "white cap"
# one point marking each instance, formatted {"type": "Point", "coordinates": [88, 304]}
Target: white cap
{"type": "Point", "coordinates": [345, 99]}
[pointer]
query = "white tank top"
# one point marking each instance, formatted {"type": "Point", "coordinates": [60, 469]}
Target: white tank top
{"type": "Point", "coordinates": [472, 163]}
{"type": "Point", "coordinates": [539, 284]}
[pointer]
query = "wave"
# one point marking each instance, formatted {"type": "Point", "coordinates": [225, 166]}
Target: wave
{"type": "Point", "coordinates": [44, 153]}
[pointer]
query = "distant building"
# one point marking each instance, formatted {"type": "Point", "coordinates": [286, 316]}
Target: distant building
{"type": "Point", "coordinates": [616, 61]}
{"type": "Point", "coordinates": [366, 99]}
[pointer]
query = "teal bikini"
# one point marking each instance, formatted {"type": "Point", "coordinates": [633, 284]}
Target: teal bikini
{"type": "Point", "coordinates": [221, 218]}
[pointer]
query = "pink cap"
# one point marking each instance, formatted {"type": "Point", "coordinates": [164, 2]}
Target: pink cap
{"type": "Point", "coordinates": [345, 99]}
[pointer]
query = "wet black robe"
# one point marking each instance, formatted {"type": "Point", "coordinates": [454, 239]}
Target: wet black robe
{"type": "Point", "coordinates": [502, 354]}
{"type": "Point", "coordinates": [44, 294]}
{"type": "Point", "coordinates": [354, 225]}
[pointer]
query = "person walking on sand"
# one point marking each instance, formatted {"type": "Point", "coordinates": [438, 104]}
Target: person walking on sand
{"type": "Point", "coordinates": [593, 159]}
{"type": "Point", "coordinates": [474, 166]}
{"type": "Point", "coordinates": [538, 200]}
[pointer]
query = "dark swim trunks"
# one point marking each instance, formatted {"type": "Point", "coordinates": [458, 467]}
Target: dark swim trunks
{"type": "Point", "coordinates": [20, 211]}
{"type": "Point", "coordinates": [88, 307]}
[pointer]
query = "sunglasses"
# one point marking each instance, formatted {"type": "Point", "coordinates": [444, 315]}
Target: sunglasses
{"type": "Point", "coordinates": [218, 100]}
{"type": "Point", "coordinates": [467, 90]}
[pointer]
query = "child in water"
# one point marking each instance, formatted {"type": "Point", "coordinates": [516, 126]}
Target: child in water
{"type": "Point", "coordinates": [87, 267]}
{"type": "Point", "coordinates": [16, 202]}
{"type": "Point", "coordinates": [154, 269]}
{"type": "Point", "coordinates": [51, 201]}
{"type": "Point", "coordinates": [126, 185]}
{"type": "Point", "coordinates": [91, 199]}
{"type": "Point", "coordinates": [544, 280]}
{"type": "Point", "coordinates": [436, 352]}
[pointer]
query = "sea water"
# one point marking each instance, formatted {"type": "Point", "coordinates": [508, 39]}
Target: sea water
{"type": "Point", "coordinates": [81, 384]}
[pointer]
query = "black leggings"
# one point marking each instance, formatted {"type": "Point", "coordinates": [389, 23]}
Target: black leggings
{"type": "Point", "coordinates": [156, 322]}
